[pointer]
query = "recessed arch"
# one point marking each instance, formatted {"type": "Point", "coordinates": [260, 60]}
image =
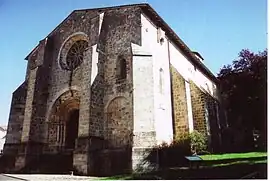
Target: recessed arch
{"type": "Point", "coordinates": [118, 122]}
{"type": "Point", "coordinates": [66, 101]}
{"type": "Point", "coordinates": [61, 92]}
{"type": "Point", "coordinates": [63, 120]}
{"type": "Point", "coordinates": [116, 105]}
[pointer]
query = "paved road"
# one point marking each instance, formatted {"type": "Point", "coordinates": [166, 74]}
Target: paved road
{"type": "Point", "coordinates": [5, 178]}
{"type": "Point", "coordinates": [43, 177]}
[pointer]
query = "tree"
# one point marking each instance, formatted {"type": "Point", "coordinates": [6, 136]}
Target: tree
{"type": "Point", "coordinates": [244, 92]}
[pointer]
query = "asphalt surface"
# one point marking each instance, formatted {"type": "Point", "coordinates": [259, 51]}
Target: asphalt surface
{"type": "Point", "coordinates": [43, 177]}
{"type": "Point", "coordinates": [4, 178]}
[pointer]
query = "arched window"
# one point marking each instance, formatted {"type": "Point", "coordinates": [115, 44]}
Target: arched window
{"type": "Point", "coordinates": [161, 81]}
{"type": "Point", "coordinates": [121, 69]}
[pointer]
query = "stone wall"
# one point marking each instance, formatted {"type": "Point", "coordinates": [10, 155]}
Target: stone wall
{"type": "Point", "coordinates": [96, 112]}
{"type": "Point", "coordinates": [107, 110]}
{"type": "Point", "coordinates": [198, 109]}
{"type": "Point", "coordinates": [119, 127]}
{"type": "Point", "coordinates": [39, 107]}
{"type": "Point", "coordinates": [15, 123]}
{"type": "Point", "coordinates": [179, 101]}
{"type": "Point", "coordinates": [82, 25]}
{"type": "Point", "coordinates": [205, 116]}
{"type": "Point", "coordinates": [119, 28]}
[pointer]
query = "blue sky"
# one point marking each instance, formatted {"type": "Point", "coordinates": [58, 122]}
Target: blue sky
{"type": "Point", "coordinates": [218, 29]}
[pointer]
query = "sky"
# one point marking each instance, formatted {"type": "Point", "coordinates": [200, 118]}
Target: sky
{"type": "Point", "coordinates": [218, 29]}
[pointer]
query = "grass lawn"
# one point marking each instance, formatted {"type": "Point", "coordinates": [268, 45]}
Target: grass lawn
{"type": "Point", "coordinates": [233, 156]}
{"type": "Point", "coordinates": [216, 166]}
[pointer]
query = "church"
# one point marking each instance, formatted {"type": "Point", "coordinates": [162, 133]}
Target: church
{"type": "Point", "coordinates": [106, 85]}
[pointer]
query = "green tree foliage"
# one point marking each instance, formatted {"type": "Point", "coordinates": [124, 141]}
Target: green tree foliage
{"type": "Point", "coordinates": [244, 91]}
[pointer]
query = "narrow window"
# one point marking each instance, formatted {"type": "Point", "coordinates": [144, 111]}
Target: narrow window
{"type": "Point", "coordinates": [122, 69]}
{"type": "Point", "coordinates": [161, 81]}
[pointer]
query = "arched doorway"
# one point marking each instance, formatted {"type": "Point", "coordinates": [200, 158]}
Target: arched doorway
{"type": "Point", "coordinates": [63, 123]}
{"type": "Point", "coordinates": [72, 129]}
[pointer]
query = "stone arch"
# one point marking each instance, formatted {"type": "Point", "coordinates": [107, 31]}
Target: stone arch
{"type": "Point", "coordinates": [118, 122]}
{"type": "Point", "coordinates": [59, 118]}
{"type": "Point", "coordinates": [67, 44]}
{"type": "Point", "coordinates": [56, 97]}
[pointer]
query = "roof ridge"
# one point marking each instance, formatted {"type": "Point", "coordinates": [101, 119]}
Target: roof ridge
{"type": "Point", "coordinates": [114, 7]}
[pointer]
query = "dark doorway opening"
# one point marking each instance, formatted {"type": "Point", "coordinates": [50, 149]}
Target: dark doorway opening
{"type": "Point", "coordinates": [72, 129]}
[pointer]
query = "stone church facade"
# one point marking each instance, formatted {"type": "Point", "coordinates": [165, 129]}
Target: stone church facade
{"type": "Point", "coordinates": [105, 86]}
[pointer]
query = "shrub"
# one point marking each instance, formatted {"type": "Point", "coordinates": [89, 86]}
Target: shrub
{"type": "Point", "coordinates": [171, 155]}
{"type": "Point", "coordinates": [198, 142]}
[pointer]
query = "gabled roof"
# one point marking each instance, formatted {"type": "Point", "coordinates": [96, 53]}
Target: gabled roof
{"type": "Point", "coordinates": [153, 15]}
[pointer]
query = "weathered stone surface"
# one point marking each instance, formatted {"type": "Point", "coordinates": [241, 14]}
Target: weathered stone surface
{"type": "Point", "coordinates": [119, 126]}
{"type": "Point", "coordinates": [99, 87]}
{"type": "Point", "coordinates": [16, 116]}
{"type": "Point", "coordinates": [180, 112]}
{"type": "Point", "coordinates": [140, 163]}
{"type": "Point", "coordinates": [199, 110]}
{"type": "Point", "coordinates": [205, 116]}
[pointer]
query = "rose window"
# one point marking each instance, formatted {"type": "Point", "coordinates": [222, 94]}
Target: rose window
{"type": "Point", "coordinates": [75, 55]}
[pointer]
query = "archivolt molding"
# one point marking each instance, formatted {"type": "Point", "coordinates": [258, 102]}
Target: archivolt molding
{"type": "Point", "coordinates": [76, 43]}
{"type": "Point", "coordinates": [75, 91]}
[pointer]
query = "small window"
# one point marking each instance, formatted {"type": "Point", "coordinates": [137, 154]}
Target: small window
{"type": "Point", "coordinates": [161, 81]}
{"type": "Point", "coordinates": [122, 69]}
{"type": "Point", "coordinates": [161, 41]}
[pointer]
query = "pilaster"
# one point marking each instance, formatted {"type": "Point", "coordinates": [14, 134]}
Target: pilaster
{"type": "Point", "coordinates": [144, 133]}
{"type": "Point", "coordinates": [81, 154]}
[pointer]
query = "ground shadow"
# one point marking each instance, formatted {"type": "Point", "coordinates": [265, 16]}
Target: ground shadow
{"type": "Point", "coordinates": [238, 171]}
{"type": "Point", "coordinates": [173, 165]}
{"type": "Point", "coordinates": [49, 164]}
{"type": "Point", "coordinates": [171, 155]}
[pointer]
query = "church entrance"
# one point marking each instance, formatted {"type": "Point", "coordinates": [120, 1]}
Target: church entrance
{"type": "Point", "coordinates": [72, 129]}
{"type": "Point", "coordinates": [63, 123]}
